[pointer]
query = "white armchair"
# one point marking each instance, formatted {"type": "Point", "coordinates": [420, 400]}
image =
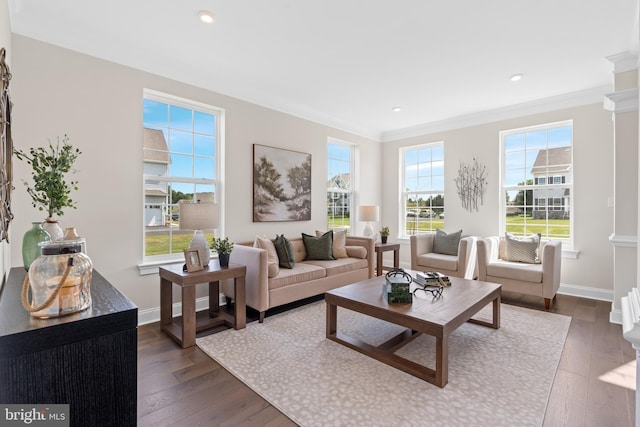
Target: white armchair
{"type": "Point", "coordinates": [461, 265]}
{"type": "Point", "coordinates": [541, 280]}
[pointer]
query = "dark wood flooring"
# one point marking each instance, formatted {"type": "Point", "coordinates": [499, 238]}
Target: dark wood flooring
{"type": "Point", "coordinates": [184, 387]}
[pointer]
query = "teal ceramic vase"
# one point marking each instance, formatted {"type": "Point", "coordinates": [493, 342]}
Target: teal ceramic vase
{"type": "Point", "coordinates": [30, 248]}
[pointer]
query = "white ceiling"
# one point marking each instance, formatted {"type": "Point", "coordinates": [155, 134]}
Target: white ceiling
{"type": "Point", "coordinates": [346, 63]}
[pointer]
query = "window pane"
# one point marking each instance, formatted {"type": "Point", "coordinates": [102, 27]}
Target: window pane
{"type": "Point", "coordinates": [203, 145]}
{"type": "Point", "coordinates": [204, 168]}
{"type": "Point", "coordinates": [181, 166]}
{"type": "Point", "coordinates": [203, 123]}
{"type": "Point", "coordinates": [156, 114]}
{"type": "Point", "coordinates": [180, 118]}
{"type": "Point", "coordinates": [181, 142]}
{"type": "Point", "coordinates": [339, 186]}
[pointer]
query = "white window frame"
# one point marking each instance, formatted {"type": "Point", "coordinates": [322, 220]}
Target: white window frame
{"type": "Point", "coordinates": [567, 243]}
{"type": "Point", "coordinates": [150, 263]}
{"type": "Point", "coordinates": [351, 191]}
{"type": "Point", "coordinates": [404, 194]}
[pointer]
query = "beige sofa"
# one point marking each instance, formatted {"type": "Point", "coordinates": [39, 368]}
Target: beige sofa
{"type": "Point", "coordinates": [305, 279]}
{"type": "Point", "coordinates": [541, 280]}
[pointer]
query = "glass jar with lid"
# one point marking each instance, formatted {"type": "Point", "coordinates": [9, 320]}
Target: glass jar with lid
{"type": "Point", "coordinates": [59, 280]}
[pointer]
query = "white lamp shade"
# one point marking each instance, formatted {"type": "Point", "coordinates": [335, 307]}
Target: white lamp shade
{"type": "Point", "coordinates": [198, 216]}
{"type": "Point", "coordinates": [368, 213]}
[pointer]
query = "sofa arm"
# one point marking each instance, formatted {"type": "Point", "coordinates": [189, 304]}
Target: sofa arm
{"type": "Point", "coordinates": [420, 244]}
{"type": "Point", "coordinates": [467, 257]}
{"type": "Point", "coordinates": [551, 268]}
{"type": "Point", "coordinates": [256, 279]}
{"type": "Point", "coordinates": [487, 253]}
{"type": "Point", "coordinates": [369, 244]}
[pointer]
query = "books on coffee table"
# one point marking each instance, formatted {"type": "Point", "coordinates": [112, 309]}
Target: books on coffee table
{"type": "Point", "coordinates": [432, 278]}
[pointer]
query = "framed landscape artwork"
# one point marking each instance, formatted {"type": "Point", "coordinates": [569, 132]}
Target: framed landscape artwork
{"type": "Point", "coordinates": [281, 184]}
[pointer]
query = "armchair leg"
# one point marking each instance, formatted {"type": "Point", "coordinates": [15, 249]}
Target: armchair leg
{"type": "Point", "coordinates": [261, 317]}
{"type": "Point", "coordinates": [547, 303]}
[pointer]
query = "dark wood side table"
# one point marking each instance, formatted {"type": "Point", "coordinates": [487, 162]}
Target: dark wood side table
{"type": "Point", "coordinates": [87, 360]}
{"type": "Point", "coordinates": [184, 330]}
{"type": "Point", "coordinates": [384, 247]}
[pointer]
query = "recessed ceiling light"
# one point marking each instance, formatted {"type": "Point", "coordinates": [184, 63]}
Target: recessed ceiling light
{"type": "Point", "coordinates": [515, 77]}
{"type": "Point", "coordinates": [396, 109]}
{"type": "Point", "coordinates": [206, 17]}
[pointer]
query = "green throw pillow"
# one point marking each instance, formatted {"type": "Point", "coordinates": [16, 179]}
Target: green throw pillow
{"type": "Point", "coordinates": [446, 244]}
{"type": "Point", "coordinates": [284, 248]}
{"type": "Point", "coordinates": [319, 248]}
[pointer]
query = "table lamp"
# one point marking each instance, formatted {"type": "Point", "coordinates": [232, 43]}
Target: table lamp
{"type": "Point", "coordinates": [199, 217]}
{"type": "Point", "coordinates": [368, 214]}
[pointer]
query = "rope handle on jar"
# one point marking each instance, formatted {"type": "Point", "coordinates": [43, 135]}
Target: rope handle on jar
{"type": "Point", "coordinates": [25, 291]}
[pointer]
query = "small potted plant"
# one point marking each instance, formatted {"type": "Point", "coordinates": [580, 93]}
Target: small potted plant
{"type": "Point", "coordinates": [384, 234]}
{"type": "Point", "coordinates": [223, 248]}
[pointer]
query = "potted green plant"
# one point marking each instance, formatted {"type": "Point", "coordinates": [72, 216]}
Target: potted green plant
{"type": "Point", "coordinates": [223, 247]}
{"type": "Point", "coordinates": [51, 191]}
{"type": "Point", "coordinates": [384, 234]}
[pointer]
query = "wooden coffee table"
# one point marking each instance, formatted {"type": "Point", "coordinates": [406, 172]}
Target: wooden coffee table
{"type": "Point", "coordinates": [437, 317]}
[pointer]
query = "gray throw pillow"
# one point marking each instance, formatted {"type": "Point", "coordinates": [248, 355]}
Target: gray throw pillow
{"type": "Point", "coordinates": [446, 244]}
{"type": "Point", "coordinates": [318, 248]}
{"type": "Point", "coordinates": [522, 249]}
{"type": "Point", "coordinates": [284, 248]}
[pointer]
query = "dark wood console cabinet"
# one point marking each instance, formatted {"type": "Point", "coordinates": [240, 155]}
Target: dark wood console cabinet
{"type": "Point", "coordinates": [87, 360]}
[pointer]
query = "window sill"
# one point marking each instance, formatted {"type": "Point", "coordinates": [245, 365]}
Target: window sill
{"type": "Point", "coordinates": [151, 267]}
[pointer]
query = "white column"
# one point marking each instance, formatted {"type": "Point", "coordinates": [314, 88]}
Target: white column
{"type": "Point", "coordinates": [623, 104]}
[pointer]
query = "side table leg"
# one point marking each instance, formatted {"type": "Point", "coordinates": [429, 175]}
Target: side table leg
{"type": "Point", "coordinates": [396, 258]}
{"type": "Point", "coordinates": [166, 297]}
{"type": "Point", "coordinates": [188, 316]}
{"type": "Point", "coordinates": [214, 298]}
{"type": "Point", "coordinates": [379, 264]}
{"type": "Point", "coordinates": [240, 310]}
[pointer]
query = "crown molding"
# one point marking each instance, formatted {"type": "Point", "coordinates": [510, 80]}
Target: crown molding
{"type": "Point", "coordinates": [621, 102]}
{"type": "Point", "coordinates": [569, 100]}
{"type": "Point", "coordinates": [623, 61]}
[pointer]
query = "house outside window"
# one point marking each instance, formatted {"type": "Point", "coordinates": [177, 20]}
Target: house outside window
{"type": "Point", "coordinates": [422, 188]}
{"type": "Point", "coordinates": [537, 181]}
{"type": "Point", "coordinates": [181, 164]}
{"type": "Point", "coordinates": [340, 171]}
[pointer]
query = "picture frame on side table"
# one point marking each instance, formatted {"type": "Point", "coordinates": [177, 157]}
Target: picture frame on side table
{"type": "Point", "coordinates": [192, 260]}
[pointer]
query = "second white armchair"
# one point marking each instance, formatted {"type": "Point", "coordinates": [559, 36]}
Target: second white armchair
{"type": "Point", "coordinates": [463, 264]}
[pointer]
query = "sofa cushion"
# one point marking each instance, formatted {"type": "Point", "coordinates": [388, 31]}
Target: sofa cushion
{"type": "Point", "coordinates": [515, 271]}
{"type": "Point", "coordinates": [273, 263]}
{"type": "Point", "coordinates": [301, 272]}
{"type": "Point", "coordinates": [522, 249]}
{"type": "Point", "coordinates": [340, 265]}
{"type": "Point", "coordinates": [285, 252]}
{"type": "Point", "coordinates": [446, 244]}
{"type": "Point", "coordinates": [434, 261]}
{"type": "Point", "coordinates": [339, 242]}
{"type": "Point", "coordinates": [319, 248]}
{"type": "Point", "coordinates": [356, 252]}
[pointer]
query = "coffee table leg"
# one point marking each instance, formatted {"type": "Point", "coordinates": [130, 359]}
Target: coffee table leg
{"type": "Point", "coordinates": [442, 361]}
{"type": "Point", "coordinates": [332, 320]}
{"type": "Point", "coordinates": [496, 312]}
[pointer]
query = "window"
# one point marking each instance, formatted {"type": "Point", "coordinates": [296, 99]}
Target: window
{"type": "Point", "coordinates": [181, 163]}
{"type": "Point", "coordinates": [422, 207]}
{"type": "Point", "coordinates": [537, 169]}
{"type": "Point", "coordinates": [340, 161]}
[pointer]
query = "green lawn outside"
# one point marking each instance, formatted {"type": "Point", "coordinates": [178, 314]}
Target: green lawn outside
{"type": "Point", "coordinates": [158, 243]}
{"type": "Point", "coordinates": [558, 228]}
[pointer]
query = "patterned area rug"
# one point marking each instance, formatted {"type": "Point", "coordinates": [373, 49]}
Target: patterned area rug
{"type": "Point", "coordinates": [496, 377]}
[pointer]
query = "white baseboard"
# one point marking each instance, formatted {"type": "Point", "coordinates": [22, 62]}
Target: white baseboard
{"type": "Point", "coordinates": [151, 315]}
{"type": "Point", "coordinates": [615, 316]}
{"type": "Point", "coordinates": [586, 292]}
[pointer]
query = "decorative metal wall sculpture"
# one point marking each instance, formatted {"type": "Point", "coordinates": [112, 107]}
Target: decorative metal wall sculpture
{"type": "Point", "coordinates": [6, 149]}
{"type": "Point", "coordinates": [472, 184]}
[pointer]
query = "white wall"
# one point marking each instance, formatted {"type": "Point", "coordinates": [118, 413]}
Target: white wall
{"type": "Point", "coordinates": [593, 184]}
{"type": "Point", "coordinates": [99, 105]}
